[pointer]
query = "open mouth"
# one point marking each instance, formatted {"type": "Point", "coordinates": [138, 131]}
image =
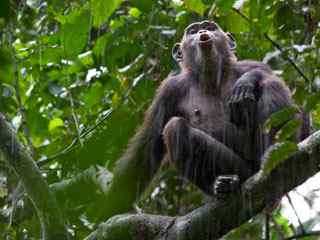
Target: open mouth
{"type": "Point", "coordinates": [205, 41]}
{"type": "Point", "coordinates": [204, 37]}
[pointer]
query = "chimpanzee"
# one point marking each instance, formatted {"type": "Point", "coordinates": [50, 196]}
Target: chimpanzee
{"type": "Point", "coordinates": [208, 119]}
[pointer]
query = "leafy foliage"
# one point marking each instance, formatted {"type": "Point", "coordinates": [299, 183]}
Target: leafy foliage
{"type": "Point", "coordinates": [76, 77]}
{"type": "Point", "coordinates": [277, 154]}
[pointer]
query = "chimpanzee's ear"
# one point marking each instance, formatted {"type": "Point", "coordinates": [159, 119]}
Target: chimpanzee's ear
{"type": "Point", "coordinates": [176, 52]}
{"type": "Point", "coordinates": [231, 41]}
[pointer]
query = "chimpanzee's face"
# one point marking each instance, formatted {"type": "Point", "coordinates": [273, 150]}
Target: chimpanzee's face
{"type": "Point", "coordinates": [202, 41]}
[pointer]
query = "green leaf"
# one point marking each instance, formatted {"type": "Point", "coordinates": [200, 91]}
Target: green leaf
{"type": "Point", "coordinates": [196, 6]}
{"type": "Point", "coordinates": [312, 102]}
{"type": "Point", "coordinates": [134, 12]}
{"type": "Point", "coordinates": [143, 5]}
{"type": "Point", "coordinates": [277, 154]}
{"type": "Point", "coordinates": [135, 64]}
{"type": "Point", "coordinates": [74, 32]}
{"type": "Point", "coordinates": [225, 5]}
{"type": "Point", "coordinates": [278, 118]}
{"type": "Point", "coordinates": [94, 96]}
{"type": "Point", "coordinates": [48, 55]}
{"type": "Point", "coordinates": [37, 125]}
{"type": "Point", "coordinates": [316, 118]}
{"type": "Point", "coordinates": [234, 24]}
{"type": "Point", "coordinates": [101, 10]}
{"type": "Point", "coordinates": [289, 129]}
{"type": "Point", "coordinates": [86, 58]}
{"type": "Point", "coordinates": [284, 25]}
{"type": "Point", "coordinates": [5, 11]}
{"type": "Point", "coordinates": [55, 123]}
{"type": "Point", "coordinates": [101, 43]}
{"type": "Point", "coordinates": [283, 222]}
{"type": "Point", "coordinates": [6, 69]}
{"type": "Point", "coordinates": [300, 94]}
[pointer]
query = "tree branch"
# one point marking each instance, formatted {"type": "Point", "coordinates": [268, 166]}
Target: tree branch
{"type": "Point", "coordinates": [12, 151]}
{"type": "Point", "coordinates": [216, 218]}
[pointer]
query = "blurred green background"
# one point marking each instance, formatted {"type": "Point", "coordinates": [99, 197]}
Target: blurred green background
{"type": "Point", "coordinates": [76, 77]}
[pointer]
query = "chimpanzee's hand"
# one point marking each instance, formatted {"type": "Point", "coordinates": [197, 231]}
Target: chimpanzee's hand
{"type": "Point", "coordinates": [225, 184]}
{"type": "Point", "coordinates": [244, 100]}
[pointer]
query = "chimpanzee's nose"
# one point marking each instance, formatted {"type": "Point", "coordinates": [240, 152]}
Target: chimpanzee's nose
{"type": "Point", "coordinates": [202, 31]}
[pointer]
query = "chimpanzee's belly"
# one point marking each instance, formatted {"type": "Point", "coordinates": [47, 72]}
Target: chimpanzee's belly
{"type": "Point", "coordinates": [204, 111]}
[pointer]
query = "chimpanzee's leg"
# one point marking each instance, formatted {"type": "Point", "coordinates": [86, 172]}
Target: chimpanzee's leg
{"type": "Point", "coordinates": [200, 157]}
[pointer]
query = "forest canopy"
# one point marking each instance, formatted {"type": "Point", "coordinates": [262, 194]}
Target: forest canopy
{"type": "Point", "coordinates": [76, 78]}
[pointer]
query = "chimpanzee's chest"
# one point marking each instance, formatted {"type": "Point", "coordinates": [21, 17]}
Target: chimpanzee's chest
{"type": "Point", "coordinates": [207, 112]}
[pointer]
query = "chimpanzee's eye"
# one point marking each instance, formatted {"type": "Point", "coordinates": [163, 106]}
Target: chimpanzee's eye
{"type": "Point", "coordinates": [193, 28]}
{"type": "Point", "coordinates": [211, 27]}
{"type": "Point", "coordinates": [192, 31]}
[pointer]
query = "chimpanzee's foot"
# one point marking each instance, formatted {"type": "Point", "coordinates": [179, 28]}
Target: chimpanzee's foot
{"type": "Point", "coordinates": [224, 185]}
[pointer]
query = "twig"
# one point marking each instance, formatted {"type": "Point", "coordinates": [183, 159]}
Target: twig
{"type": "Point", "coordinates": [305, 198]}
{"type": "Point", "coordinates": [241, 14]}
{"type": "Point", "coordinates": [275, 44]}
{"type": "Point", "coordinates": [15, 196]}
{"type": "Point", "coordinates": [75, 118]}
{"type": "Point", "coordinates": [212, 10]}
{"type": "Point", "coordinates": [288, 58]}
{"type": "Point", "coordinates": [277, 228]}
{"type": "Point", "coordinates": [21, 108]}
{"type": "Point", "coordinates": [295, 212]}
{"type": "Point", "coordinates": [267, 226]}
{"type": "Point", "coordinates": [302, 235]}
{"type": "Point", "coordinates": [59, 154]}
{"type": "Point", "coordinates": [76, 140]}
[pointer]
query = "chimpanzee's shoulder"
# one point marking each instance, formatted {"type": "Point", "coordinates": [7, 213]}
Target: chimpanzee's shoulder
{"type": "Point", "coordinates": [248, 65]}
{"type": "Point", "coordinates": [177, 82]}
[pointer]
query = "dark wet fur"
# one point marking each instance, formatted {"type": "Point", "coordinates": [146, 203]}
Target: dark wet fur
{"type": "Point", "coordinates": [209, 123]}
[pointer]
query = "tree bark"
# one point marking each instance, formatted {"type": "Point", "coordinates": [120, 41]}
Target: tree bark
{"type": "Point", "coordinates": [13, 153]}
{"type": "Point", "coordinates": [216, 218]}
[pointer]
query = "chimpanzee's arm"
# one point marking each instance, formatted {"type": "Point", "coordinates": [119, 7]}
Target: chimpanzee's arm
{"type": "Point", "coordinates": [256, 95]}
